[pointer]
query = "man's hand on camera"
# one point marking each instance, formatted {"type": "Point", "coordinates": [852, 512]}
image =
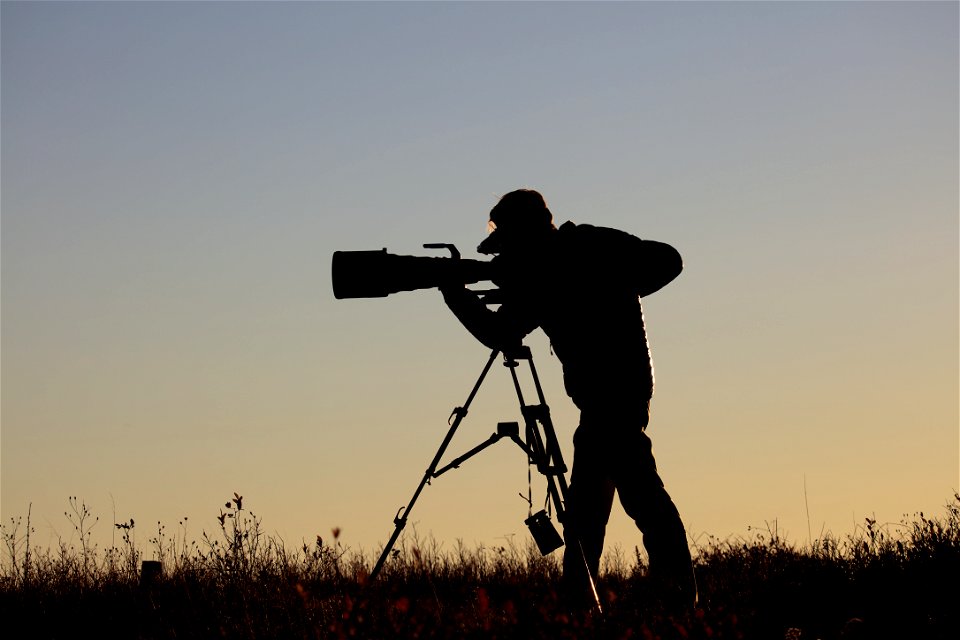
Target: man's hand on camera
{"type": "Point", "coordinates": [455, 293]}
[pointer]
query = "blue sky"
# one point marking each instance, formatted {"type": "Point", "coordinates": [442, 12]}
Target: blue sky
{"type": "Point", "coordinates": [176, 176]}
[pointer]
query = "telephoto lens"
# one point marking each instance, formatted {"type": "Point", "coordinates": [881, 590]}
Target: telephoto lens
{"type": "Point", "coordinates": [377, 274]}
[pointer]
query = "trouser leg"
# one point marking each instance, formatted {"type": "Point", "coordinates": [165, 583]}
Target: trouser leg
{"type": "Point", "coordinates": [588, 504]}
{"type": "Point", "coordinates": [645, 499]}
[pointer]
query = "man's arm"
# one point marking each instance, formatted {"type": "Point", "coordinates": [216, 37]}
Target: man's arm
{"type": "Point", "coordinates": [643, 266]}
{"type": "Point", "coordinates": [502, 330]}
{"type": "Point", "coordinates": [657, 265]}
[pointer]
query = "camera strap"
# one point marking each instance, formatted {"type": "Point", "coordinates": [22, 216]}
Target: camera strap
{"type": "Point", "coordinates": [547, 502]}
{"type": "Point", "coordinates": [529, 489]}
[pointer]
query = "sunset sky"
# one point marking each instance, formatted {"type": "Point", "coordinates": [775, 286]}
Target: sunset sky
{"type": "Point", "coordinates": [177, 176]}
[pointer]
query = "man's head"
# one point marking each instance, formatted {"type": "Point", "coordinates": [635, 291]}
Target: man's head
{"type": "Point", "coordinates": [519, 219]}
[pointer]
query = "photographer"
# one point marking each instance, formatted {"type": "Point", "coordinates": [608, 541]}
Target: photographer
{"type": "Point", "coordinates": [582, 285]}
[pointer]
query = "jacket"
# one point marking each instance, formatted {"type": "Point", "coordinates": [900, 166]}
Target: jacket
{"type": "Point", "coordinates": [582, 286]}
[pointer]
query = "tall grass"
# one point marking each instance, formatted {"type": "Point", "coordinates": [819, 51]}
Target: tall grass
{"type": "Point", "coordinates": [882, 581]}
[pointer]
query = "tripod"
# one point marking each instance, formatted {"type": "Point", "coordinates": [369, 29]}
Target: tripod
{"type": "Point", "coordinates": [540, 445]}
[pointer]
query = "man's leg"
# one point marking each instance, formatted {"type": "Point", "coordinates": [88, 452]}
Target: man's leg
{"type": "Point", "coordinates": [645, 499]}
{"type": "Point", "coordinates": [588, 504]}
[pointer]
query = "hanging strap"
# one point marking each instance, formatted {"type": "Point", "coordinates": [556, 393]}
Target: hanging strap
{"type": "Point", "coordinates": [529, 490]}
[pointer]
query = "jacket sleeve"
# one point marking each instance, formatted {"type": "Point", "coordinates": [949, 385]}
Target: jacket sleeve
{"type": "Point", "coordinates": [642, 266]}
{"type": "Point", "coordinates": [502, 330]}
{"type": "Point", "coordinates": [656, 266]}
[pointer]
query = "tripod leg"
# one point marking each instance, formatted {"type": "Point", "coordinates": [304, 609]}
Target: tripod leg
{"type": "Point", "coordinates": [400, 521]}
{"type": "Point", "coordinates": [542, 441]}
{"type": "Point", "coordinates": [400, 524]}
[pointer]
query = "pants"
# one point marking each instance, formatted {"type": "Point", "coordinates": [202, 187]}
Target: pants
{"type": "Point", "coordinates": [613, 454]}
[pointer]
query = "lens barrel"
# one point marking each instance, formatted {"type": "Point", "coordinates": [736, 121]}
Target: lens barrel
{"type": "Point", "coordinates": [376, 274]}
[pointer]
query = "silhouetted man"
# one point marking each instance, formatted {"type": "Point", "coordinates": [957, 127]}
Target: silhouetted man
{"type": "Point", "coordinates": [582, 285]}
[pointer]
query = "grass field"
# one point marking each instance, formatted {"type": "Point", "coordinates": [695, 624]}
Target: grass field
{"type": "Point", "coordinates": [882, 581]}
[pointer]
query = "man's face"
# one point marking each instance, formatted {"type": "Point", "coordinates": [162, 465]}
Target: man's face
{"type": "Point", "coordinates": [512, 239]}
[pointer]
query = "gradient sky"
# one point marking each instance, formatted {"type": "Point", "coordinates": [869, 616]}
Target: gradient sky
{"type": "Point", "coordinates": [176, 177]}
